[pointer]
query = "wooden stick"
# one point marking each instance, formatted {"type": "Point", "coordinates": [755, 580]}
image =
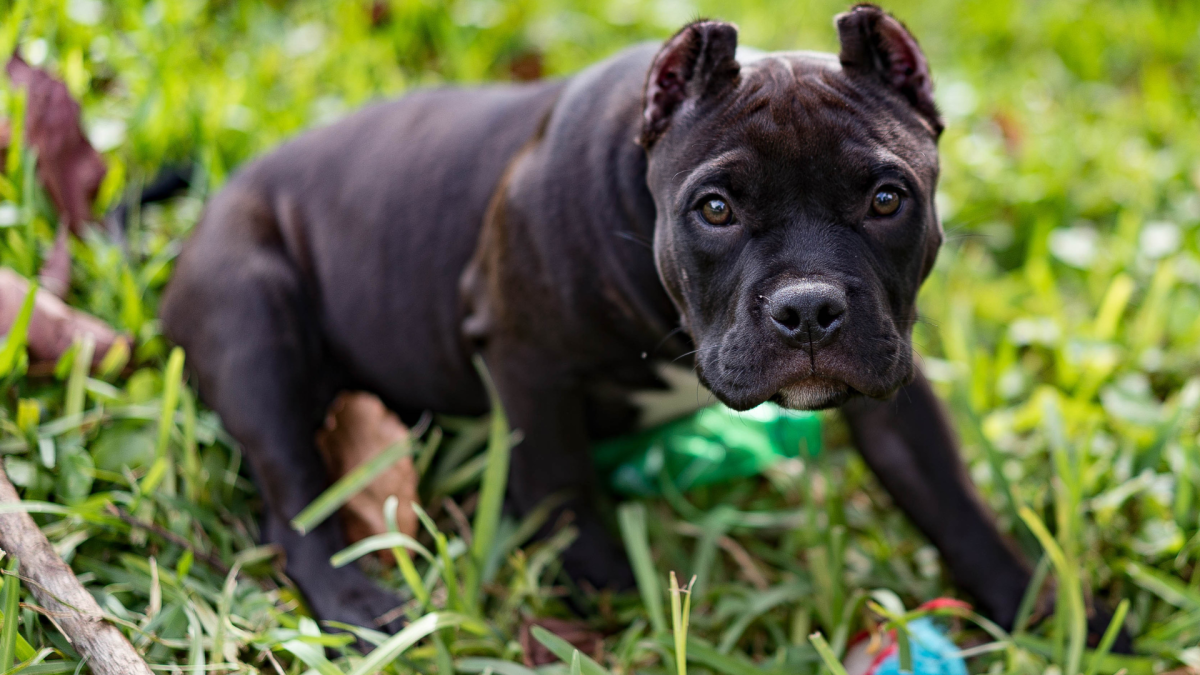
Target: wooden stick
{"type": "Point", "coordinates": [101, 644]}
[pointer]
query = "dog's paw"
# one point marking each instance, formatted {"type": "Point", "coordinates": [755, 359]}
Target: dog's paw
{"type": "Point", "coordinates": [351, 597]}
{"type": "Point", "coordinates": [597, 559]}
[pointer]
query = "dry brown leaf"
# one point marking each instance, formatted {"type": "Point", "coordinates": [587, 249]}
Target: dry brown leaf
{"type": "Point", "coordinates": [576, 632]}
{"type": "Point", "coordinates": [358, 427]}
{"type": "Point", "coordinates": [68, 165]}
{"type": "Point", "coordinates": [53, 326]}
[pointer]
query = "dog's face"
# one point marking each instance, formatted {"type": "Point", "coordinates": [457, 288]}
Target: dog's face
{"type": "Point", "coordinates": [796, 217]}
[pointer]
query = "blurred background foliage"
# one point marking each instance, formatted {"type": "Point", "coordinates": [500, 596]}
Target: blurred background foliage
{"type": "Point", "coordinates": [1062, 323]}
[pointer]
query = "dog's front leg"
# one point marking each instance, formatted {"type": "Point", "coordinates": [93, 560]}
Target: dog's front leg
{"type": "Point", "coordinates": [545, 406]}
{"type": "Point", "coordinates": [909, 445]}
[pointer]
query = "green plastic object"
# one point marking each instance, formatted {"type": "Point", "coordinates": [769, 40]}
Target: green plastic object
{"type": "Point", "coordinates": [713, 445]}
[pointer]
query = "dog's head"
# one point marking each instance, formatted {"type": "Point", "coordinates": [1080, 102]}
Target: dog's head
{"type": "Point", "coordinates": [795, 199]}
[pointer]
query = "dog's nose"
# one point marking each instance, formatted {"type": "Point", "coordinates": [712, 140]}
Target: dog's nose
{"type": "Point", "coordinates": [809, 313]}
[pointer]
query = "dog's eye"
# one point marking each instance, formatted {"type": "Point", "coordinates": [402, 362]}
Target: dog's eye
{"type": "Point", "coordinates": [716, 211]}
{"type": "Point", "coordinates": [885, 202]}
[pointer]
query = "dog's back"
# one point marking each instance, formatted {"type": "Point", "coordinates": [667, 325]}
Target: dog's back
{"type": "Point", "coordinates": [351, 210]}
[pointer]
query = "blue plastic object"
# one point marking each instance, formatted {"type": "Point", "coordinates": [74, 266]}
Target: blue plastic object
{"type": "Point", "coordinates": [932, 653]}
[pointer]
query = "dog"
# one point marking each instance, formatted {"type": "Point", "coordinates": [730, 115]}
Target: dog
{"type": "Point", "coordinates": [765, 218]}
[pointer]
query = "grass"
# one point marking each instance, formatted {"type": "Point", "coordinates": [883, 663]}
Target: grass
{"type": "Point", "coordinates": [1062, 326]}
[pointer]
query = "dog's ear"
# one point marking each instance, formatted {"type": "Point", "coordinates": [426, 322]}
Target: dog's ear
{"type": "Point", "coordinates": [875, 44]}
{"type": "Point", "coordinates": [697, 62]}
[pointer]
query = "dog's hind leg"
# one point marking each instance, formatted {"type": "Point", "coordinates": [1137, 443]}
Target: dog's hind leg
{"type": "Point", "coordinates": [241, 312]}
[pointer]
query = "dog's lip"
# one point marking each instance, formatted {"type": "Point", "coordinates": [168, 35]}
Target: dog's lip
{"type": "Point", "coordinates": [794, 369]}
{"type": "Point", "coordinates": [836, 391]}
{"type": "Point", "coordinates": [775, 392]}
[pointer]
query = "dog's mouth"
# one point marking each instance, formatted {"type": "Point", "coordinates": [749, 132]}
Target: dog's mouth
{"type": "Point", "coordinates": [810, 391]}
{"type": "Point", "coordinates": [797, 386]}
{"type": "Point", "coordinates": [814, 392]}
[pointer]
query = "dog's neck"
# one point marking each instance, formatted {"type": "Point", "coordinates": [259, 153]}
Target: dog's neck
{"type": "Point", "coordinates": [584, 173]}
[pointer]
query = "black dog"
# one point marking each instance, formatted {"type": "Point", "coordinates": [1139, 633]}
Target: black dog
{"type": "Point", "coordinates": [779, 210]}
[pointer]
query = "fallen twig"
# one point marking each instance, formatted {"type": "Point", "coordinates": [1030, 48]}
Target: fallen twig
{"type": "Point", "coordinates": [100, 643]}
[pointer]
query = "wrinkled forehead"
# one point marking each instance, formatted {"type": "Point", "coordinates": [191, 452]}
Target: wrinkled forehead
{"type": "Point", "coordinates": [800, 107]}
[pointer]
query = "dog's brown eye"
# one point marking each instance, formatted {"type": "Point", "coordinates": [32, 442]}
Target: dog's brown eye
{"type": "Point", "coordinates": [885, 202]}
{"type": "Point", "coordinates": [716, 211]}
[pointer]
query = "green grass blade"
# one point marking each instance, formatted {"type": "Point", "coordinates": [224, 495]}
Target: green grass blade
{"type": "Point", "coordinates": [172, 380]}
{"type": "Point", "coordinates": [403, 560]}
{"type": "Point", "coordinates": [28, 506]}
{"type": "Point", "coordinates": [196, 661]}
{"type": "Point", "coordinates": [486, 665]}
{"type": "Point", "coordinates": [446, 567]}
{"type": "Point", "coordinates": [495, 475]}
{"type": "Point", "coordinates": [679, 618]}
{"type": "Point", "coordinates": [18, 335]}
{"type": "Point", "coordinates": [904, 647]}
{"type": "Point", "coordinates": [827, 656]}
{"type": "Point", "coordinates": [632, 518]}
{"type": "Point", "coordinates": [565, 651]}
{"type": "Point", "coordinates": [1110, 636]}
{"type": "Point", "coordinates": [312, 655]}
{"type": "Point", "coordinates": [349, 485]}
{"type": "Point", "coordinates": [706, 655]}
{"type": "Point", "coordinates": [442, 655]}
{"type": "Point", "coordinates": [10, 596]}
{"type": "Point", "coordinates": [398, 643]}
{"type": "Point", "coordinates": [1169, 588]}
{"type": "Point", "coordinates": [379, 542]}
{"type": "Point", "coordinates": [1068, 589]}
{"type": "Point", "coordinates": [193, 472]}
{"type": "Point", "coordinates": [1029, 600]}
{"type": "Point", "coordinates": [77, 382]}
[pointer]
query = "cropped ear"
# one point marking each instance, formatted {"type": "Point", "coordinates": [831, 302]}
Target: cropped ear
{"type": "Point", "coordinates": [697, 62]}
{"type": "Point", "coordinates": [875, 44]}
